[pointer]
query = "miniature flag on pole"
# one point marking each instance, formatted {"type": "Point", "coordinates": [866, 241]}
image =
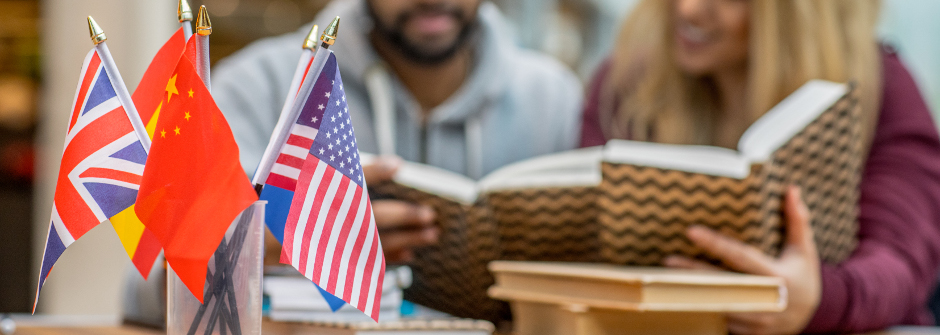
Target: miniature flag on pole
{"type": "Point", "coordinates": [102, 161]}
{"type": "Point", "coordinates": [193, 186]}
{"type": "Point", "coordinates": [280, 165]}
{"type": "Point", "coordinates": [141, 245]}
{"type": "Point", "coordinates": [330, 235]}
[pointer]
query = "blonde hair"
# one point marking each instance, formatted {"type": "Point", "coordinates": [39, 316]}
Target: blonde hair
{"type": "Point", "coordinates": [646, 97]}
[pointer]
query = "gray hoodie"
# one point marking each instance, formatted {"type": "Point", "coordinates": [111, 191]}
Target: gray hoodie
{"type": "Point", "coordinates": [515, 103]}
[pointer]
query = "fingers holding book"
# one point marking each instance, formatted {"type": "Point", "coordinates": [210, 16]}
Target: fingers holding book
{"type": "Point", "coordinates": [404, 226]}
{"type": "Point", "coordinates": [798, 264]}
{"type": "Point", "coordinates": [380, 169]}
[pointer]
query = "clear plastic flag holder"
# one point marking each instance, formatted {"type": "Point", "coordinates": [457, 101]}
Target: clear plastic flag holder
{"type": "Point", "coordinates": [232, 295]}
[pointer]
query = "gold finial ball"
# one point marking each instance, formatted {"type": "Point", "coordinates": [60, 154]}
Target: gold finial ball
{"type": "Point", "coordinates": [310, 42]}
{"type": "Point", "coordinates": [329, 34]}
{"type": "Point", "coordinates": [184, 12]}
{"type": "Point", "coordinates": [97, 34]}
{"type": "Point", "coordinates": [203, 24]}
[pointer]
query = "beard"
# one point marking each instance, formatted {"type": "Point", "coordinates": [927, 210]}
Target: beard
{"type": "Point", "coordinates": [425, 52]}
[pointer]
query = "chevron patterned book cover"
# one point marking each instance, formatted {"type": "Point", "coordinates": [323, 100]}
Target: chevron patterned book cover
{"type": "Point", "coordinates": [652, 192]}
{"type": "Point", "coordinates": [630, 202]}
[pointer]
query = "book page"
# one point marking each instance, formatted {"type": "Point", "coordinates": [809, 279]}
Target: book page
{"type": "Point", "coordinates": [437, 181]}
{"type": "Point", "coordinates": [579, 167]}
{"type": "Point", "coordinates": [433, 180]}
{"type": "Point", "coordinates": [708, 160]}
{"type": "Point", "coordinates": [788, 118]}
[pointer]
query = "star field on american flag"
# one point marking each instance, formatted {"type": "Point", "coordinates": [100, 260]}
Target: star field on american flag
{"type": "Point", "coordinates": [281, 182]}
{"type": "Point", "coordinates": [335, 143]}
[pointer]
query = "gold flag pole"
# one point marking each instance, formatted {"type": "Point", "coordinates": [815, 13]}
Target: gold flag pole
{"type": "Point", "coordinates": [203, 30]}
{"type": "Point", "coordinates": [291, 110]}
{"type": "Point", "coordinates": [185, 14]}
{"type": "Point", "coordinates": [99, 38]}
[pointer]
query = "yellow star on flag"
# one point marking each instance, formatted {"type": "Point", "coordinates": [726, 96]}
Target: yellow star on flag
{"type": "Point", "coordinates": [163, 133]}
{"type": "Point", "coordinates": [190, 93]}
{"type": "Point", "coordinates": [177, 130]}
{"type": "Point", "coordinates": [171, 88]}
{"type": "Point", "coordinates": [187, 116]}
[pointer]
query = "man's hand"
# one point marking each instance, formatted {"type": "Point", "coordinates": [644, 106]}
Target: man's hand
{"type": "Point", "coordinates": [402, 225]}
{"type": "Point", "coordinates": [798, 265]}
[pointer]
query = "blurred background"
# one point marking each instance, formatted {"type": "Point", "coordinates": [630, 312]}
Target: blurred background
{"type": "Point", "coordinates": [43, 43]}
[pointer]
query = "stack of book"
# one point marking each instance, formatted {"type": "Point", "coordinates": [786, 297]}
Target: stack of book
{"type": "Point", "coordinates": [295, 298]}
{"type": "Point", "coordinates": [585, 299]}
{"type": "Point", "coordinates": [434, 326]}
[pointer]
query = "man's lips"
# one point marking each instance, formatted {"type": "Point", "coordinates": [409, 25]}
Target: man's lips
{"type": "Point", "coordinates": [433, 24]}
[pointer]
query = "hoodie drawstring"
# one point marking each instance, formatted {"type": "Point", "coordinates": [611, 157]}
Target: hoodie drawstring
{"type": "Point", "coordinates": [378, 83]}
{"type": "Point", "coordinates": [379, 86]}
{"type": "Point", "coordinates": [473, 132]}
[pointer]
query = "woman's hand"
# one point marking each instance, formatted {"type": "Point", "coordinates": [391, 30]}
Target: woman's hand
{"type": "Point", "coordinates": [798, 265]}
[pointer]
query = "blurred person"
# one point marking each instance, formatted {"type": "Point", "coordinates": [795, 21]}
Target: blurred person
{"type": "Point", "coordinates": [701, 71]}
{"type": "Point", "coordinates": [432, 81]}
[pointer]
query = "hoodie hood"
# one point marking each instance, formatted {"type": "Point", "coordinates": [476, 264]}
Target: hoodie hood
{"type": "Point", "coordinates": [514, 104]}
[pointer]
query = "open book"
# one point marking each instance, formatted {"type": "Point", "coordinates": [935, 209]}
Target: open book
{"type": "Point", "coordinates": [630, 202]}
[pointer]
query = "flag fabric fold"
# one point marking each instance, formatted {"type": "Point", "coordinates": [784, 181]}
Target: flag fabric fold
{"type": "Point", "coordinates": [101, 168]}
{"type": "Point", "coordinates": [330, 234]}
{"type": "Point", "coordinates": [193, 186]}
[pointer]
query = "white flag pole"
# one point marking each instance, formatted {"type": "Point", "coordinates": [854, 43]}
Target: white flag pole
{"type": "Point", "coordinates": [203, 30]}
{"type": "Point", "coordinates": [185, 14]}
{"type": "Point", "coordinates": [99, 38]}
{"type": "Point", "coordinates": [295, 103]}
{"type": "Point", "coordinates": [283, 121]}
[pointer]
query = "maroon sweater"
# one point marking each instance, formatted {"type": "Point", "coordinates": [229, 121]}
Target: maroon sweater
{"type": "Point", "coordinates": [888, 278]}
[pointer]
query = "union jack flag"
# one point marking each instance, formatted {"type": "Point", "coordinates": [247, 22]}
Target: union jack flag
{"type": "Point", "coordinates": [102, 164]}
{"type": "Point", "coordinates": [281, 183]}
{"type": "Point", "coordinates": [330, 234]}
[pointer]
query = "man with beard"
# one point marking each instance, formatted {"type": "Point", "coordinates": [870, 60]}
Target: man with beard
{"type": "Point", "coordinates": [432, 81]}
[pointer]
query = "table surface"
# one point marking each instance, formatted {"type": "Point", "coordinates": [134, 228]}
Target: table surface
{"type": "Point", "coordinates": [112, 330]}
{"type": "Point", "coordinates": [134, 330]}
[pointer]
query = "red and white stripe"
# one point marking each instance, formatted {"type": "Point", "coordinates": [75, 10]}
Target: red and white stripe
{"type": "Point", "coordinates": [342, 253]}
{"type": "Point", "coordinates": [290, 160]}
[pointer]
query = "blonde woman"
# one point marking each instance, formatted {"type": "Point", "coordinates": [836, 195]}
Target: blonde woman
{"type": "Point", "coordinates": [701, 71]}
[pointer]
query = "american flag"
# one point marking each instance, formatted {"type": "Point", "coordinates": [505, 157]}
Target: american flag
{"type": "Point", "coordinates": [101, 168]}
{"type": "Point", "coordinates": [282, 181]}
{"type": "Point", "coordinates": [330, 234]}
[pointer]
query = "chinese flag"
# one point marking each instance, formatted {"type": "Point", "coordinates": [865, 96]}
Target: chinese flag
{"type": "Point", "coordinates": [150, 93]}
{"type": "Point", "coordinates": [193, 186]}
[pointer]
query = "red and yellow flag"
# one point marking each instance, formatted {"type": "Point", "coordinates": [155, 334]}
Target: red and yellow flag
{"type": "Point", "coordinates": [193, 186]}
{"type": "Point", "coordinates": [141, 245]}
